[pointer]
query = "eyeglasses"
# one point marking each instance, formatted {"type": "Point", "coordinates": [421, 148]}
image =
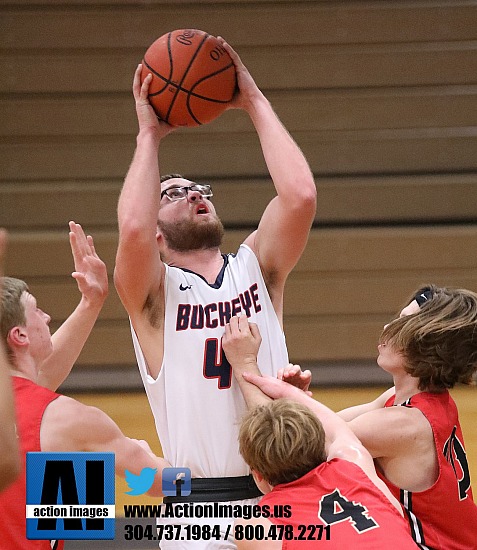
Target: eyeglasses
{"type": "Point", "coordinates": [179, 193]}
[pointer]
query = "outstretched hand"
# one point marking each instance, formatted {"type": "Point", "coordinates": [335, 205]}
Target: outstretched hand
{"type": "Point", "coordinates": [90, 271]}
{"type": "Point", "coordinates": [146, 115]}
{"type": "Point", "coordinates": [247, 88]}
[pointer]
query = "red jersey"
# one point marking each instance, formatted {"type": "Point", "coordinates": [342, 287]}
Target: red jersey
{"type": "Point", "coordinates": [31, 401]}
{"type": "Point", "coordinates": [342, 503]}
{"type": "Point", "coordinates": [444, 517]}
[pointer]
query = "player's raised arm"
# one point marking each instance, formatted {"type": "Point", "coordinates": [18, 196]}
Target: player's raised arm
{"type": "Point", "coordinates": [92, 279]}
{"type": "Point", "coordinates": [138, 264]}
{"type": "Point", "coordinates": [283, 230]}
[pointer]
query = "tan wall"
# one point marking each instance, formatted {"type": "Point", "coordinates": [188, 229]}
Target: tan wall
{"type": "Point", "coordinates": [381, 96]}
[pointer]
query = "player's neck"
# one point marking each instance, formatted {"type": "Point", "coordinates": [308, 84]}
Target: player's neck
{"type": "Point", "coordinates": [406, 386]}
{"type": "Point", "coordinates": [25, 367]}
{"type": "Point", "coordinates": [207, 263]}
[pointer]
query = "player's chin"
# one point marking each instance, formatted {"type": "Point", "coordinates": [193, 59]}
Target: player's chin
{"type": "Point", "coordinates": [205, 217]}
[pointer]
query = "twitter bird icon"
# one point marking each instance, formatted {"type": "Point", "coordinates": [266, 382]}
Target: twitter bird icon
{"type": "Point", "coordinates": [142, 483]}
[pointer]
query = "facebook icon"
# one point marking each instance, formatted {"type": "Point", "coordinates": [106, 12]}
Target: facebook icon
{"type": "Point", "coordinates": [176, 482]}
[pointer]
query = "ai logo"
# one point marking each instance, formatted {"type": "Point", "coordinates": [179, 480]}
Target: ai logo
{"type": "Point", "coordinates": [70, 496]}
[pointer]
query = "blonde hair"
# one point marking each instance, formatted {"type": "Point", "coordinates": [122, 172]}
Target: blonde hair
{"type": "Point", "coordinates": [282, 440]}
{"type": "Point", "coordinates": [439, 342]}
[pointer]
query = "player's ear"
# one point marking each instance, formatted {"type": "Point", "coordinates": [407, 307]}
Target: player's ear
{"type": "Point", "coordinates": [261, 482]}
{"type": "Point", "coordinates": [257, 476]}
{"type": "Point", "coordinates": [17, 337]}
{"type": "Point", "coordinates": [159, 237]}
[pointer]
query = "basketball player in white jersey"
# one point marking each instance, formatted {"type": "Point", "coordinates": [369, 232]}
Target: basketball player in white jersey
{"type": "Point", "coordinates": [180, 291]}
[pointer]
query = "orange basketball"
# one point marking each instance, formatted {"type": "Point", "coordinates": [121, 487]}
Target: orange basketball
{"type": "Point", "coordinates": [193, 77]}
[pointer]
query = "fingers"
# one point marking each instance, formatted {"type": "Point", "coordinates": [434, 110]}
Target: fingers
{"type": "Point", "coordinates": [291, 370]}
{"type": "Point", "coordinates": [240, 324]}
{"type": "Point", "coordinates": [292, 374]}
{"type": "Point", "coordinates": [137, 81]}
{"type": "Point", "coordinates": [141, 90]}
{"type": "Point", "coordinates": [233, 324]}
{"type": "Point", "coordinates": [253, 378]}
{"type": "Point", "coordinates": [253, 327]}
{"type": "Point", "coordinates": [79, 278]}
{"type": "Point", "coordinates": [79, 238]}
{"type": "Point", "coordinates": [147, 116]}
{"type": "Point", "coordinates": [243, 324]}
{"type": "Point", "coordinates": [228, 48]}
{"type": "Point", "coordinates": [82, 246]}
{"type": "Point", "coordinates": [84, 243]}
{"type": "Point", "coordinates": [145, 88]}
{"type": "Point", "coordinates": [78, 242]}
{"type": "Point", "coordinates": [295, 370]}
{"type": "Point", "coordinates": [90, 241]}
{"type": "Point", "coordinates": [228, 332]}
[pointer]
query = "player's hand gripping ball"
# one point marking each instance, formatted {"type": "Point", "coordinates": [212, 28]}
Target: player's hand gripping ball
{"type": "Point", "coordinates": [193, 77]}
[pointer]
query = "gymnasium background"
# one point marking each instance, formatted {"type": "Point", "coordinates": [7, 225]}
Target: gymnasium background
{"type": "Point", "coordinates": [380, 95]}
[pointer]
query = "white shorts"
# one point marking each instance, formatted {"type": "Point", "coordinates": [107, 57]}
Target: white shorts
{"type": "Point", "coordinates": [212, 533]}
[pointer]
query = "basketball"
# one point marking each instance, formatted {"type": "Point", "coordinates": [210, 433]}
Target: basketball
{"type": "Point", "coordinates": [193, 77]}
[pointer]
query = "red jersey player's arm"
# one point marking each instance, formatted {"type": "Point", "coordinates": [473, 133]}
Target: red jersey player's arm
{"type": "Point", "coordinates": [353, 412]}
{"type": "Point", "coordinates": [69, 426]}
{"type": "Point", "coordinates": [340, 442]}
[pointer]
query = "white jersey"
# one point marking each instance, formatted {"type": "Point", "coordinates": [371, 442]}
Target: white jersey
{"type": "Point", "coordinates": [196, 402]}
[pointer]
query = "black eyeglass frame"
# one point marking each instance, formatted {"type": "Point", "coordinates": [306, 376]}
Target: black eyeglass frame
{"type": "Point", "coordinates": [206, 187]}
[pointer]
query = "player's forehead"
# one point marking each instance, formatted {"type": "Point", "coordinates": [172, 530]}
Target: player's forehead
{"type": "Point", "coordinates": [28, 301]}
{"type": "Point", "coordinates": [175, 182]}
{"type": "Point", "coordinates": [28, 298]}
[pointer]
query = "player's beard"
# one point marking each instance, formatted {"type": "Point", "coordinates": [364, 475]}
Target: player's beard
{"type": "Point", "coordinates": [185, 235]}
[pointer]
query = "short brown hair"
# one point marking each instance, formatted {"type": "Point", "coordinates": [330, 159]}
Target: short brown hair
{"type": "Point", "coordinates": [282, 440]}
{"type": "Point", "coordinates": [12, 311]}
{"type": "Point", "coordinates": [439, 342]}
{"type": "Point", "coordinates": [166, 177]}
